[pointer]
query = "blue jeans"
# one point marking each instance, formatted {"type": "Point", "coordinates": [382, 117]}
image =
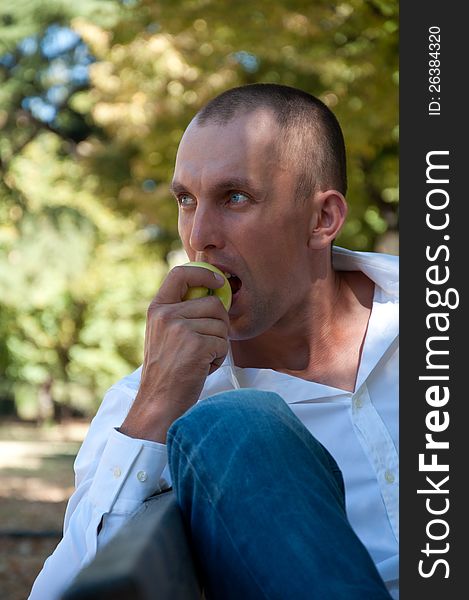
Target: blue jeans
{"type": "Point", "coordinates": [264, 504]}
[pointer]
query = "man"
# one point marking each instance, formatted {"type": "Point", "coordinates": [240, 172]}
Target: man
{"type": "Point", "coordinates": [258, 408]}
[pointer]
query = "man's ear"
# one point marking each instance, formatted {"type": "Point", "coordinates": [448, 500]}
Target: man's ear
{"type": "Point", "coordinates": [330, 211]}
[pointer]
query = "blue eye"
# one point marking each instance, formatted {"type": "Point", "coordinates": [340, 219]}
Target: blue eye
{"type": "Point", "coordinates": [238, 198]}
{"type": "Point", "coordinates": [185, 200]}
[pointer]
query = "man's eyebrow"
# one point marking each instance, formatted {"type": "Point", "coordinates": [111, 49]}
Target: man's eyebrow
{"type": "Point", "coordinates": [232, 183]}
{"type": "Point", "coordinates": [176, 187]}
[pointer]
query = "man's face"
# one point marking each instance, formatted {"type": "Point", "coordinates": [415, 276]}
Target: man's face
{"type": "Point", "coordinates": [237, 206]}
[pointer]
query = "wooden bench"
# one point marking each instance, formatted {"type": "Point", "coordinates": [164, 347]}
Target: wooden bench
{"type": "Point", "coordinates": [149, 559]}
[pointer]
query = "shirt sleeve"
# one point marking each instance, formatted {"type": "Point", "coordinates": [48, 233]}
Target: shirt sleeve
{"type": "Point", "coordinates": [114, 474]}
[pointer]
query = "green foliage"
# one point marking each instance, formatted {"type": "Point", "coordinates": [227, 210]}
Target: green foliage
{"type": "Point", "coordinates": [86, 220]}
{"type": "Point", "coordinates": [75, 281]}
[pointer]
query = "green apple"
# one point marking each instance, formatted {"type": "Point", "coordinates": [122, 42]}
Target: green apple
{"type": "Point", "coordinates": [224, 292]}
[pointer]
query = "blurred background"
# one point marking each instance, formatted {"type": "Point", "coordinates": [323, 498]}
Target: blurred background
{"type": "Point", "coordinates": [94, 97]}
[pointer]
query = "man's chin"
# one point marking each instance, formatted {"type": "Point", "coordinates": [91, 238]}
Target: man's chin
{"type": "Point", "coordinates": [243, 329]}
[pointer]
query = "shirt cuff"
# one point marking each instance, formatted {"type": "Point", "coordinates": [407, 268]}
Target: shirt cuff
{"type": "Point", "coordinates": [128, 473]}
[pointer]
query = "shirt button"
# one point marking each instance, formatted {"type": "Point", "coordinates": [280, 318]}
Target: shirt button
{"type": "Point", "coordinates": [117, 472]}
{"type": "Point", "coordinates": [389, 476]}
{"type": "Point", "coordinates": [142, 476]}
{"type": "Point", "coordinates": [358, 402]}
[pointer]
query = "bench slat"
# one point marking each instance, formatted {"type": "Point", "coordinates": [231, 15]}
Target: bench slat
{"type": "Point", "coordinates": [148, 559]}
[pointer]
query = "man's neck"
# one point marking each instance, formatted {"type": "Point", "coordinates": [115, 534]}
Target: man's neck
{"type": "Point", "coordinates": [323, 340]}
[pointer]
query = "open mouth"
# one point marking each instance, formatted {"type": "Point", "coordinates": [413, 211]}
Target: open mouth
{"type": "Point", "coordinates": [235, 283]}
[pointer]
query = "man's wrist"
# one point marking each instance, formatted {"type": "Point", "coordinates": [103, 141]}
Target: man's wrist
{"type": "Point", "coordinates": [148, 421]}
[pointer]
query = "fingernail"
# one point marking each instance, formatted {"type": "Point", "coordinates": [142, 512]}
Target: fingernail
{"type": "Point", "coordinates": [219, 277]}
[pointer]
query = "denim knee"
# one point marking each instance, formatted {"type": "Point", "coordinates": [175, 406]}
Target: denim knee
{"type": "Point", "coordinates": [225, 415]}
{"type": "Point", "coordinates": [241, 418]}
{"type": "Point", "coordinates": [234, 408]}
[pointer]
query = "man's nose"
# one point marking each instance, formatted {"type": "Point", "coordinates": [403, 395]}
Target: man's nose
{"type": "Point", "coordinates": [206, 231]}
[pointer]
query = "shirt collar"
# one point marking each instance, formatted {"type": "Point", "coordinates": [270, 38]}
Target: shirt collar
{"type": "Point", "coordinates": [382, 269]}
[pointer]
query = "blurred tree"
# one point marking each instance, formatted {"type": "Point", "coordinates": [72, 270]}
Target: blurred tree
{"type": "Point", "coordinates": [94, 98]}
{"type": "Point", "coordinates": [42, 64]}
{"type": "Point", "coordinates": [75, 282]}
{"type": "Point", "coordinates": [74, 278]}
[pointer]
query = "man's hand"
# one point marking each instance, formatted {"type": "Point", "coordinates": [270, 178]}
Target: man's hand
{"type": "Point", "coordinates": [184, 342]}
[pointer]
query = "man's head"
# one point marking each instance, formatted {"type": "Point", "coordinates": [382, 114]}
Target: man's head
{"type": "Point", "coordinates": [311, 138]}
{"type": "Point", "coordinates": [238, 171]}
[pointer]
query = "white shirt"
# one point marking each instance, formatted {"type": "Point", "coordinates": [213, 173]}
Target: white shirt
{"type": "Point", "coordinates": [116, 473]}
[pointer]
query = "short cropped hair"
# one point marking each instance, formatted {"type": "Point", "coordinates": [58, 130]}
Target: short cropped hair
{"type": "Point", "coordinates": [311, 135]}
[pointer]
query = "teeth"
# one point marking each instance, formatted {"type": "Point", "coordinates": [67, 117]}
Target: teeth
{"type": "Point", "coordinates": [228, 275]}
